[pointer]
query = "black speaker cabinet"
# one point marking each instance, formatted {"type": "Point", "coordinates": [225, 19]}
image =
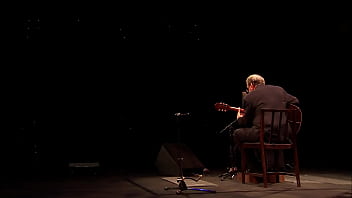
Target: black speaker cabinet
{"type": "Point", "coordinates": [167, 161]}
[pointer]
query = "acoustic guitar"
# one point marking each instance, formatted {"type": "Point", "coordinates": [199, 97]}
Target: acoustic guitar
{"type": "Point", "coordinates": [296, 115]}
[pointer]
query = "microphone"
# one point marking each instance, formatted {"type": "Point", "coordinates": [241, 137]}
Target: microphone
{"type": "Point", "coordinates": [182, 114]}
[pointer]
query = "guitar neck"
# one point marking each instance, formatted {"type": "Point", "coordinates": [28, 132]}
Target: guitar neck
{"type": "Point", "coordinates": [237, 109]}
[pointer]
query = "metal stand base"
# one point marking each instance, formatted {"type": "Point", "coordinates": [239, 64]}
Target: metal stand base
{"type": "Point", "coordinates": [182, 186]}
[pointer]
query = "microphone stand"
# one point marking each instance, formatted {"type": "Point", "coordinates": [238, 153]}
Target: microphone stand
{"type": "Point", "coordinates": [227, 127]}
{"type": "Point", "coordinates": [227, 174]}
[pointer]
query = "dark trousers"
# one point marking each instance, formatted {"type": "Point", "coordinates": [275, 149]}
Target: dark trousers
{"type": "Point", "coordinates": [275, 159]}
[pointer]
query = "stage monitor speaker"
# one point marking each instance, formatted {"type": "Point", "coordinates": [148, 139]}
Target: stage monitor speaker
{"type": "Point", "coordinates": [167, 160]}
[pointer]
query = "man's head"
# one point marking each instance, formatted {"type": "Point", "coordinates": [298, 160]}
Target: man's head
{"type": "Point", "coordinates": [253, 81]}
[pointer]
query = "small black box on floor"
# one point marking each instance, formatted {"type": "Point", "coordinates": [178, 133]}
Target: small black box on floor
{"type": "Point", "coordinates": [84, 168]}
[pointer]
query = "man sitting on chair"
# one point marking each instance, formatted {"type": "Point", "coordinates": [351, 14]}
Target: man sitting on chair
{"type": "Point", "coordinates": [259, 95]}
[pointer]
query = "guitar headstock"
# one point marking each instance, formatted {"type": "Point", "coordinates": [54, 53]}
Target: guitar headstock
{"type": "Point", "coordinates": [220, 106]}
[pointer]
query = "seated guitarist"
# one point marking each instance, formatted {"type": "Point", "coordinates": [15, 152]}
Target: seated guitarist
{"type": "Point", "coordinates": [259, 95]}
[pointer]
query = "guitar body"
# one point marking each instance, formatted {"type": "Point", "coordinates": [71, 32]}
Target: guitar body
{"type": "Point", "coordinates": [296, 115]}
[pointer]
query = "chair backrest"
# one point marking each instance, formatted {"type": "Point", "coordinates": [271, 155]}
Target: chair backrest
{"type": "Point", "coordinates": [280, 125]}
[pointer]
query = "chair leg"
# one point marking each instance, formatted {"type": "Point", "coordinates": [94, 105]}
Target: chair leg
{"type": "Point", "coordinates": [243, 165]}
{"type": "Point", "coordinates": [263, 158]}
{"type": "Point", "coordinates": [297, 172]}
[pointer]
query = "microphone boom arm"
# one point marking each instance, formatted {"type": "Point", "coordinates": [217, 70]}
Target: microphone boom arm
{"type": "Point", "coordinates": [227, 127]}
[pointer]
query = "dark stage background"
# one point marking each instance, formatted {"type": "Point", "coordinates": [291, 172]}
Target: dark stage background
{"type": "Point", "coordinates": [84, 83]}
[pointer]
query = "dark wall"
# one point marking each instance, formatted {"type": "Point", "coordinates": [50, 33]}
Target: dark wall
{"type": "Point", "coordinates": [105, 85]}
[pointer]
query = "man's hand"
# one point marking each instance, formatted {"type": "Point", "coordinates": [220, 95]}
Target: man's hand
{"type": "Point", "coordinates": [239, 114]}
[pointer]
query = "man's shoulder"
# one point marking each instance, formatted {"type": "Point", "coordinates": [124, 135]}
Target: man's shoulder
{"type": "Point", "coordinates": [274, 86]}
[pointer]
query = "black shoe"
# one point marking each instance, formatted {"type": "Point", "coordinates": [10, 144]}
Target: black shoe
{"type": "Point", "coordinates": [230, 173]}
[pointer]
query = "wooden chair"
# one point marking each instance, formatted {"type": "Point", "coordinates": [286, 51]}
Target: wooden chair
{"type": "Point", "coordinates": [275, 138]}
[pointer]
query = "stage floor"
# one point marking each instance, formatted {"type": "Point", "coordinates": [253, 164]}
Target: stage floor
{"type": "Point", "coordinates": [122, 183]}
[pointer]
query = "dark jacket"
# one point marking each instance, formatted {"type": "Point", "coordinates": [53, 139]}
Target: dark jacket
{"type": "Point", "coordinates": [264, 96]}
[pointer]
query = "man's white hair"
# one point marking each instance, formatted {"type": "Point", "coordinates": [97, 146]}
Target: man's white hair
{"type": "Point", "coordinates": [255, 79]}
